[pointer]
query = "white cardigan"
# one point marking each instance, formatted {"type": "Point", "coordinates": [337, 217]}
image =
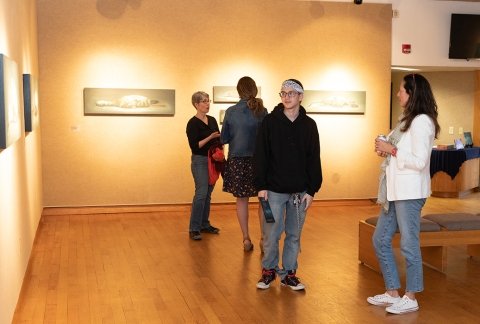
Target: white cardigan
{"type": "Point", "coordinates": [408, 174]}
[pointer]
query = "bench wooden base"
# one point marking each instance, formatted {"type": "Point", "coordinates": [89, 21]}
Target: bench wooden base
{"type": "Point", "coordinates": [464, 183]}
{"type": "Point", "coordinates": [433, 245]}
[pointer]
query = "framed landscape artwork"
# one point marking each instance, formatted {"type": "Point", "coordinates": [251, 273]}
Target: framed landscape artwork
{"type": "Point", "coordinates": [106, 101]}
{"type": "Point", "coordinates": [228, 94]}
{"type": "Point", "coordinates": [30, 102]}
{"type": "Point", "coordinates": [10, 115]}
{"type": "Point", "coordinates": [334, 102]}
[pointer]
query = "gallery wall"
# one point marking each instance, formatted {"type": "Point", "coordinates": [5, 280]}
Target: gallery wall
{"type": "Point", "coordinates": [187, 46]}
{"type": "Point", "coordinates": [20, 163]}
{"type": "Point", "coordinates": [190, 46]}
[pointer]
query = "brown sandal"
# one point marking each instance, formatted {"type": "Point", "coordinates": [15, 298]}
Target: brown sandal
{"type": "Point", "coordinates": [247, 245]}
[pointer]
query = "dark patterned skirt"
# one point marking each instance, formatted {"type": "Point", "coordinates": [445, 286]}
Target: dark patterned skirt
{"type": "Point", "coordinates": [238, 177]}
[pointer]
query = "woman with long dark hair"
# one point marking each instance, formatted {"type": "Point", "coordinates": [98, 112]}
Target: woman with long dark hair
{"type": "Point", "coordinates": [239, 131]}
{"type": "Point", "coordinates": [403, 189]}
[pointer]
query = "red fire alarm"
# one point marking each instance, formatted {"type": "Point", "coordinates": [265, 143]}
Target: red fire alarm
{"type": "Point", "coordinates": [406, 48]}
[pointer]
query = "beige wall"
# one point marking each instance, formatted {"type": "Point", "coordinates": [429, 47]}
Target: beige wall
{"type": "Point", "coordinates": [20, 164]}
{"type": "Point", "coordinates": [455, 100]}
{"type": "Point", "coordinates": [192, 45]}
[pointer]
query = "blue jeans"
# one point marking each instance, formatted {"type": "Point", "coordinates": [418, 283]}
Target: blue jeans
{"type": "Point", "coordinates": [286, 220]}
{"type": "Point", "coordinates": [199, 217]}
{"type": "Point", "coordinates": [404, 215]}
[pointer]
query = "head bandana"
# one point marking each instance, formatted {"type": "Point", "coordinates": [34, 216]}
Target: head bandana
{"type": "Point", "coordinates": [292, 84]}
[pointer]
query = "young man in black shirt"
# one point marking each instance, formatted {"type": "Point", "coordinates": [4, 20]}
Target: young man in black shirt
{"type": "Point", "coordinates": [288, 173]}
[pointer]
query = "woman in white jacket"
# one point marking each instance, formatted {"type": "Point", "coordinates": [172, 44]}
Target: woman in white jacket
{"type": "Point", "coordinates": [404, 187]}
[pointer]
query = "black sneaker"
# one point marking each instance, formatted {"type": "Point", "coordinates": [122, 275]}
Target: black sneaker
{"type": "Point", "coordinates": [195, 235]}
{"type": "Point", "coordinates": [210, 229]}
{"type": "Point", "coordinates": [292, 281]}
{"type": "Point", "coordinates": [267, 277]}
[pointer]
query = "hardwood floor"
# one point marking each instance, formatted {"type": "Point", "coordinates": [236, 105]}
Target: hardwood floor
{"type": "Point", "coordinates": [142, 268]}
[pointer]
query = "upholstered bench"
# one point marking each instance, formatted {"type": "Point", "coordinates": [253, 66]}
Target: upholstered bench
{"type": "Point", "coordinates": [455, 221]}
{"type": "Point", "coordinates": [437, 232]}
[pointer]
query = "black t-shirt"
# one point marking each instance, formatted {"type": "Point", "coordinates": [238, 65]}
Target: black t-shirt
{"type": "Point", "coordinates": [197, 130]}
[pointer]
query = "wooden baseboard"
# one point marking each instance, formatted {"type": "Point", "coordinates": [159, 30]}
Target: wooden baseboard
{"type": "Point", "coordinates": [88, 210]}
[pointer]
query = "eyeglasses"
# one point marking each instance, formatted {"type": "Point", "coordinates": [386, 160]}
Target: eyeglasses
{"type": "Point", "coordinates": [206, 100]}
{"type": "Point", "coordinates": [290, 94]}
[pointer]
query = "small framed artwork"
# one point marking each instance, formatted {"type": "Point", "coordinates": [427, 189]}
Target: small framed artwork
{"type": "Point", "coordinates": [10, 114]}
{"type": "Point", "coordinates": [228, 94]}
{"type": "Point", "coordinates": [30, 102]}
{"type": "Point", "coordinates": [334, 102]}
{"type": "Point", "coordinates": [136, 102]}
{"type": "Point", "coordinates": [468, 139]}
{"type": "Point", "coordinates": [221, 116]}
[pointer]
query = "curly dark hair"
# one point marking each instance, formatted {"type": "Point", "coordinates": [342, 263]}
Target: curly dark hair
{"type": "Point", "coordinates": [420, 101]}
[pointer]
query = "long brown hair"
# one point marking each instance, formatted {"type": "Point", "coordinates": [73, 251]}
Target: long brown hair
{"type": "Point", "coordinates": [420, 101]}
{"type": "Point", "coordinates": [247, 89]}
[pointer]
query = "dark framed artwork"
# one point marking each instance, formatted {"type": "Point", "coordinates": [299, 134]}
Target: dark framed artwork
{"type": "Point", "coordinates": [30, 102]}
{"type": "Point", "coordinates": [107, 101]}
{"type": "Point", "coordinates": [10, 115]}
{"type": "Point", "coordinates": [334, 102]}
{"type": "Point", "coordinates": [228, 94]}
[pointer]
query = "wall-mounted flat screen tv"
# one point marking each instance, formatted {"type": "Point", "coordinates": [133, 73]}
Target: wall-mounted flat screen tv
{"type": "Point", "coordinates": [464, 37]}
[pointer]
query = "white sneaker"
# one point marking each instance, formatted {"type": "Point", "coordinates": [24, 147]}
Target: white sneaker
{"type": "Point", "coordinates": [383, 300]}
{"type": "Point", "coordinates": [405, 305]}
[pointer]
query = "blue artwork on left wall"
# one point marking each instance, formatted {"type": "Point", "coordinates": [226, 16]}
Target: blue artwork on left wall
{"type": "Point", "coordinates": [10, 115]}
